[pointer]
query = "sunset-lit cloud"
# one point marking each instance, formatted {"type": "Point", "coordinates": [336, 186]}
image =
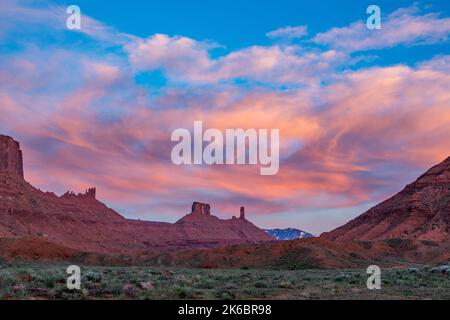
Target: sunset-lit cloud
{"type": "Point", "coordinates": [188, 60]}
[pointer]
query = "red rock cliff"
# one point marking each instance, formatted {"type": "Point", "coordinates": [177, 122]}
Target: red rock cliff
{"type": "Point", "coordinates": [79, 221]}
{"type": "Point", "coordinates": [10, 157]}
{"type": "Point", "coordinates": [421, 211]}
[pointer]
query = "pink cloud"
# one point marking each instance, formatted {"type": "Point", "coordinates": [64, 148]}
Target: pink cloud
{"type": "Point", "coordinates": [188, 60]}
{"type": "Point", "coordinates": [175, 54]}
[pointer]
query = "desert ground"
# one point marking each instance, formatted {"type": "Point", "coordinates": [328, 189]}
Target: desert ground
{"type": "Point", "coordinates": [48, 281]}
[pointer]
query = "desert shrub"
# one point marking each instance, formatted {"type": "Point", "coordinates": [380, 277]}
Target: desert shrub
{"type": "Point", "coordinates": [224, 294]}
{"type": "Point", "coordinates": [185, 293]}
{"type": "Point", "coordinates": [260, 284]}
{"type": "Point", "coordinates": [286, 285]}
{"type": "Point", "coordinates": [206, 284]}
{"type": "Point", "coordinates": [430, 243]}
{"type": "Point", "coordinates": [51, 280]}
{"type": "Point", "coordinates": [367, 245]}
{"type": "Point", "coordinates": [340, 278]}
{"type": "Point", "coordinates": [394, 243]}
{"type": "Point", "coordinates": [94, 277]}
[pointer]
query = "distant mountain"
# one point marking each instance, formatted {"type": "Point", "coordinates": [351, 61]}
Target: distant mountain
{"type": "Point", "coordinates": [288, 234]}
{"type": "Point", "coordinates": [421, 211]}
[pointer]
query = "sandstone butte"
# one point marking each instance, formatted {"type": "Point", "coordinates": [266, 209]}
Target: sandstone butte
{"type": "Point", "coordinates": [421, 211]}
{"type": "Point", "coordinates": [81, 222]}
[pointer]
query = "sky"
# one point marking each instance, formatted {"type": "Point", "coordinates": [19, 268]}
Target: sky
{"type": "Point", "coordinates": [361, 112]}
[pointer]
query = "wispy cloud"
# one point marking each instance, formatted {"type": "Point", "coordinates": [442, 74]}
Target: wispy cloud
{"type": "Point", "coordinates": [22, 15]}
{"type": "Point", "coordinates": [402, 27]}
{"type": "Point", "coordinates": [289, 32]}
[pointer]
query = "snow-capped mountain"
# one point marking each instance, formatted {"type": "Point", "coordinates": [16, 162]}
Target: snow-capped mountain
{"type": "Point", "coordinates": [288, 234]}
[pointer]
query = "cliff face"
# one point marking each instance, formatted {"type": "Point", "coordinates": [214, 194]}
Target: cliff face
{"type": "Point", "coordinates": [202, 227]}
{"type": "Point", "coordinates": [421, 211]}
{"type": "Point", "coordinates": [81, 222]}
{"type": "Point", "coordinates": [10, 157]}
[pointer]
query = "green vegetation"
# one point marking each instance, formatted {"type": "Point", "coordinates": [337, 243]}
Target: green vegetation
{"type": "Point", "coordinates": [48, 281]}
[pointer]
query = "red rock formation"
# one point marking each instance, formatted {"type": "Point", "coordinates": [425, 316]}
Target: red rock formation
{"type": "Point", "coordinates": [91, 192]}
{"type": "Point", "coordinates": [10, 157]}
{"type": "Point", "coordinates": [201, 209]}
{"type": "Point", "coordinates": [202, 227]}
{"type": "Point", "coordinates": [88, 194]}
{"type": "Point", "coordinates": [420, 211]}
{"type": "Point", "coordinates": [81, 222]}
{"type": "Point", "coordinates": [242, 213]}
